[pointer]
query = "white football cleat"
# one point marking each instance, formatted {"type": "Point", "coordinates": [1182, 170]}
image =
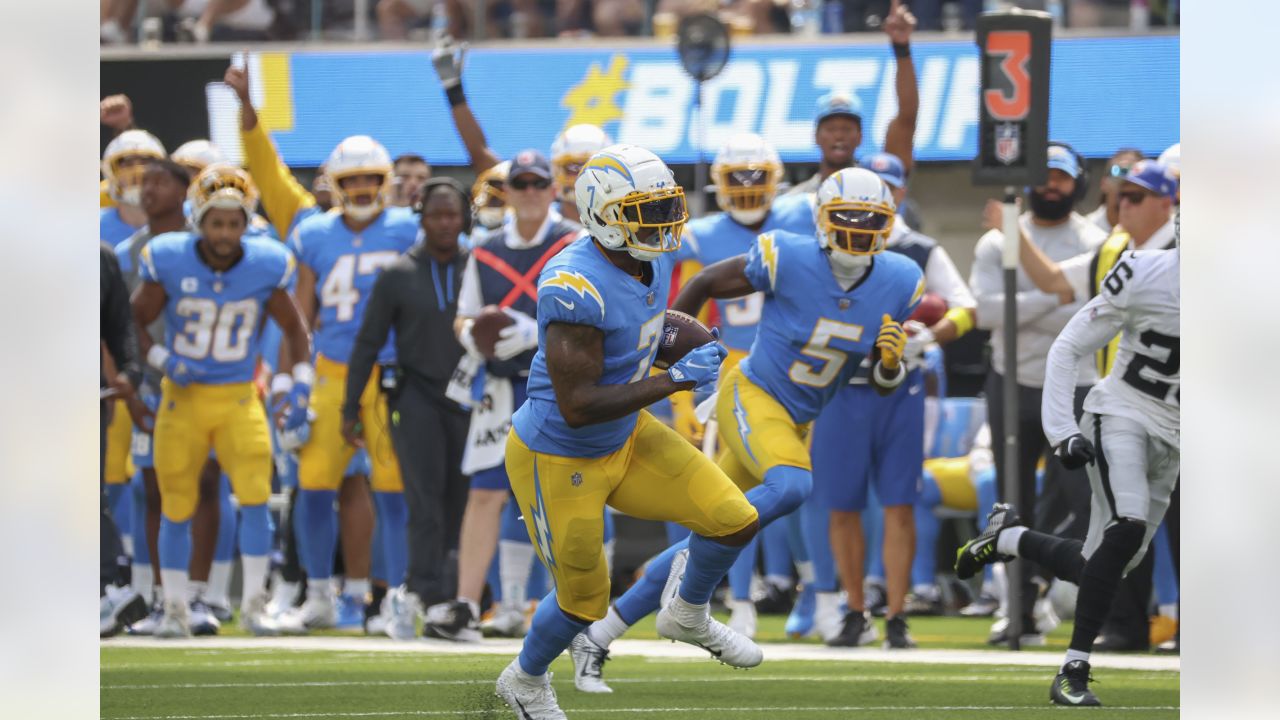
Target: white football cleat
{"type": "Point", "coordinates": [401, 609]}
{"type": "Point", "coordinates": [674, 577]}
{"type": "Point", "coordinates": [176, 622]}
{"type": "Point", "coordinates": [320, 611]}
{"type": "Point", "coordinates": [828, 617]}
{"type": "Point", "coordinates": [254, 618]}
{"type": "Point", "coordinates": [119, 608]}
{"type": "Point", "coordinates": [588, 664]}
{"type": "Point", "coordinates": [283, 595]}
{"type": "Point", "coordinates": [531, 698]}
{"type": "Point", "coordinates": [743, 617]}
{"type": "Point", "coordinates": [694, 625]}
{"type": "Point", "coordinates": [201, 619]}
{"type": "Point", "coordinates": [507, 621]}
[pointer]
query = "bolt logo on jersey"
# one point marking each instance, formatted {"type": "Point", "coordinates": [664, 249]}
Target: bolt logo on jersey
{"type": "Point", "coordinates": [346, 265]}
{"type": "Point", "coordinates": [813, 335]}
{"type": "Point", "coordinates": [577, 283]}
{"type": "Point", "coordinates": [212, 318]}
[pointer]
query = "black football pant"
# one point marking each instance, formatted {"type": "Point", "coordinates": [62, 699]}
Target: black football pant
{"type": "Point", "coordinates": [110, 548]}
{"type": "Point", "coordinates": [430, 432]}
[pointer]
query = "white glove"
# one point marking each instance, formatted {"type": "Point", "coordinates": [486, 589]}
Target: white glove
{"type": "Point", "coordinates": [448, 58]}
{"type": "Point", "coordinates": [919, 337]}
{"type": "Point", "coordinates": [517, 337]}
{"type": "Point", "coordinates": [468, 342]}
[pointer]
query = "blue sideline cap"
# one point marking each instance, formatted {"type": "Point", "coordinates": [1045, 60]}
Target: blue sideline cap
{"type": "Point", "coordinates": [530, 162]}
{"type": "Point", "coordinates": [1154, 176]}
{"type": "Point", "coordinates": [833, 104]}
{"type": "Point", "coordinates": [887, 166]}
{"type": "Point", "coordinates": [1063, 159]}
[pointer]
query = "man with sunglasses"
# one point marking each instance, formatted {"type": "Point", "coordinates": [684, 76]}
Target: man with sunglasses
{"type": "Point", "coordinates": [502, 271]}
{"type": "Point", "coordinates": [1060, 233]}
{"type": "Point", "coordinates": [1107, 214]}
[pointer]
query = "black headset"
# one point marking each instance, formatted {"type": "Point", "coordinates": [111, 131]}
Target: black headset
{"type": "Point", "coordinates": [454, 185]}
{"type": "Point", "coordinates": [1082, 181]}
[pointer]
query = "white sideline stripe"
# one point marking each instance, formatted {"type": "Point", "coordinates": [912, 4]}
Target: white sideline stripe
{"type": "Point", "coordinates": [612, 711]}
{"type": "Point", "coordinates": [649, 648]}
{"type": "Point", "coordinates": [1029, 678]}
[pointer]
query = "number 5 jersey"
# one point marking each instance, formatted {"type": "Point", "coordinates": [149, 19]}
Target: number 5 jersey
{"type": "Point", "coordinates": [1140, 298]}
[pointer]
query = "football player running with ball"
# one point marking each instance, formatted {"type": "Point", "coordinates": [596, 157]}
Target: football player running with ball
{"type": "Point", "coordinates": [1129, 439]}
{"type": "Point", "coordinates": [583, 440]}
{"type": "Point", "coordinates": [829, 302]}
{"type": "Point", "coordinates": [213, 286]}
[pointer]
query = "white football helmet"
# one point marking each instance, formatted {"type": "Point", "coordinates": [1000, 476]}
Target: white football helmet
{"type": "Point", "coordinates": [197, 155]}
{"type": "Point", "coordinates": [571, 150]}
{"type": "Point", "coordinates": [628, 199]}
{"type": "Point", "coordinates": [489, 195]}
{"type": "Point", "coordinates": [124, 161]}
{"type": "Point", "coordinates": [222, 185]}
{"type": "Point", "coordinates": [355, 156]}
{"type": "Point", "coordinates": [1172, 158]}
{"type": "Point", "coordinates": [746, 173]}
{"type": "Point", "coordinates": [854, 213]}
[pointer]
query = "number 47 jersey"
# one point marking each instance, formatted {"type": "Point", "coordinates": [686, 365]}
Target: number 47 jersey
{"type": "Point", "coordinates": [212, 319]}
{"type": "Point", "coordinates": [1141, 299]}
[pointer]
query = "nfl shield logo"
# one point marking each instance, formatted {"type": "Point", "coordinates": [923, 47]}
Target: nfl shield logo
{"type": "Point", "coordinates": [843, 303]}
{"type": "Point", "coordinates": [1008, 143]}
{"type": "Point", "coordinates": [576, 479]}
{"type": "Point", "coordinates": [650, 298]}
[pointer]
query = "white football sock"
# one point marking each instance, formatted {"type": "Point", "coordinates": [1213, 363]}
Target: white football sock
{"type": "Point", "coordinates": [1169, 611]}
{"type": "Point", "coordinates": [219, 589]}
{"type": "Point", "coordinates": [1007, 540]}
{"type": "Point", "coordinates": [196, 589]}
{"type": "Point", "coordinates": [686, 613]}
{"type": "Point", "coordinates": [782, 582]}
{"type": "Point", "coordinates": [1073, 655]}
{"type": "Point", "coordinates": [142, 581]}
{"type": "Point", "coordinates": [255, 569]}
{"type": "Point", "coordinates": [603, 632]}
{"type": "Point", "coordinates": [515, 561]}
{"type": "Point", "coordinates": [175, 585]}
{"type": "Point", "coordinates": [805, 571]}
{"type": "Point", "coordinates": [357, 588]}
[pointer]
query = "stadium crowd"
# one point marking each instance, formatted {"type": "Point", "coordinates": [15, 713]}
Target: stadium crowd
{"type": "Point", "coordinates": [390, 337]}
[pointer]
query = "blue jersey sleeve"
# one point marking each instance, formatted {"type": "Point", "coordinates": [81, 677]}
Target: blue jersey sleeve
{"type": "Point", "coordinates": [569, 297]}
{"type": "Point", "coordinates": [916, 295]}
{"type": "Point", "coordinates": [762, 263]}
{"type": "Point", "coordinates": [123, 256]}
{"type": "Point", "coordinates": [147, 269]}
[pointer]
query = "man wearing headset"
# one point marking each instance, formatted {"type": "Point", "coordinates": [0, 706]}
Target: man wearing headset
{"type": "Point", "coordinates": [1054, 227]}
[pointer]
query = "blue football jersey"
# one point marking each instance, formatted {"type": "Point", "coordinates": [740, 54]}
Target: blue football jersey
{"type": "Point", "coordinates": [794, 213]}
{"type": "Point", "coordinates": [112, 229]}
{"type": "Point", "coordinates": [580, 286]}
{"type": "Point", "coordinates": [719, 237]}
{"type": "Point", "coordinates": [813, 334]}
{"type": "Point", "coordinates": [346, 265]}
{"type": "Point", "coordinates": [212, 319]}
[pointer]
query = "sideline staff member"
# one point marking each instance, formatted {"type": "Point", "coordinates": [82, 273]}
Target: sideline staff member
{"type": "Point", "coordinates": [417, 295]}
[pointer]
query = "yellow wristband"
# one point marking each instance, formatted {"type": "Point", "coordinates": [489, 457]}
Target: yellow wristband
{"type": "Point", "coordinates": [962, 318]}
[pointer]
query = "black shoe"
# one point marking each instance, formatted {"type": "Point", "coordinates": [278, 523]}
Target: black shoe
{"type": "Point", "coordinates": [877, 599]}
{"type": "Point", "coordinates": [777, 601]}
{"type": "Point", "coordinates": [981, 551]}
{"type": "Point", "coordinates": [922, 605]}
{"type": "Point", "coordinates": [451, 621]}
{"type": "Point", "coordinates": [857, 630]}
{"type": "Point", "coordinates": [896, 635]}
{"type": "Point", "coordinates": [1071, 686]}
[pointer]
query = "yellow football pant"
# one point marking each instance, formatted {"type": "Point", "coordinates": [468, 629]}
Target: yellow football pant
{"type": "Point", "coordinates": [191, 420]}
{"type": "Point", "coordinates": [756, 432]}
{"type": "Point", "coordinates": [119, 440]}
{"type": "Point", "coordinates": [324, 459]}
{"type": "Point", "coordinates": [656, 475]}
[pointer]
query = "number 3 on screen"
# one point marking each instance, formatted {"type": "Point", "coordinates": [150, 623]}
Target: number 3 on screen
{"type": "Point", "coordinates": [1013, 47]}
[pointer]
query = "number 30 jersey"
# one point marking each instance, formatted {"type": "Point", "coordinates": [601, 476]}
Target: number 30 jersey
{"type": "Point", "coordinates": [212, 319]}
{"type": "Point", "coordinates": [1140, 298]}
{"type": "Point", "coordinates": [346, 264]}
{"type": "Point", "coordinates": [580, 286]}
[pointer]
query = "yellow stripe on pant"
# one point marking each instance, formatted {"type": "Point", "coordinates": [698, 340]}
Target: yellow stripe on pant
{"type": "Point", "coordinates": [655, 475]}
{"type": "Point", "coordinates": [191, 420]}
{"type": "Point", "coordinates": [324, 459]}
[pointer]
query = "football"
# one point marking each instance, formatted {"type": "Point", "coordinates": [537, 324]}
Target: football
{"type": "Point", "coordinates": [930, 310]}
{"type": "Point", "coordinates": [680, 334]}
{"type": "Point", "coordinates": [488, 324]}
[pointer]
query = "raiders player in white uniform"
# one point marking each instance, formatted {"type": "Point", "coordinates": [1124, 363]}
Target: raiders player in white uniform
{"type": "Point", "coordinates": [1128, 438]}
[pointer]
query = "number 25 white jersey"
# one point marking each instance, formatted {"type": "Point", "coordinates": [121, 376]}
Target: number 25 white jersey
{"type": "Point", "coordinates": [1140, 298]}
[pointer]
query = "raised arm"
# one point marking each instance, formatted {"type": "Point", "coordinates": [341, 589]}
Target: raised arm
{"type": "Point", "coordinates": [723, 280]}
{"type": "Point", "coordinates": [986, 280]}
{"type": "Point", "coordinates": [448, 58]}
{"type": "Point", "coordinates": [899, 138]}
{"type": "Point", "coordinates": [575, 361]}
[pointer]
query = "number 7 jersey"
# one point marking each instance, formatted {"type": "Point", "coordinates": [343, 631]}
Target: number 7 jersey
{"type": "Point", "coordinates": [213, 319]}
{"type": "Point", "coordinates": [1141, 299]}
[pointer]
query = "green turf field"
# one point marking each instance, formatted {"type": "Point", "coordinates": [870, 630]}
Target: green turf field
{"type": "Point", "coordinates": [191, 683]}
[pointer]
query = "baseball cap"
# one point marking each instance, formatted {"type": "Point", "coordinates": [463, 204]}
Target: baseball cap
{"type": "Point", "coordinates": [530, 162]}
{"type": "Point", "coordinates": [1060, 158]}
{"type": "Point", "coordinates": [887, 166]}
{"type": "Point", "coordinates": [833, 104]}
{"type": "Point", "coordinates": [1154, 176]}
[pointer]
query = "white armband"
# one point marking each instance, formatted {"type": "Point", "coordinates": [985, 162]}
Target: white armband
{"type": "Point", "coordinates": [893, 382]}
{"type": "Point", "coordinates": [157, 356]}
{"type": "Point", "coordinates": [281, 383]}
{"type": "Point", "coordinates": [304, 374]}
